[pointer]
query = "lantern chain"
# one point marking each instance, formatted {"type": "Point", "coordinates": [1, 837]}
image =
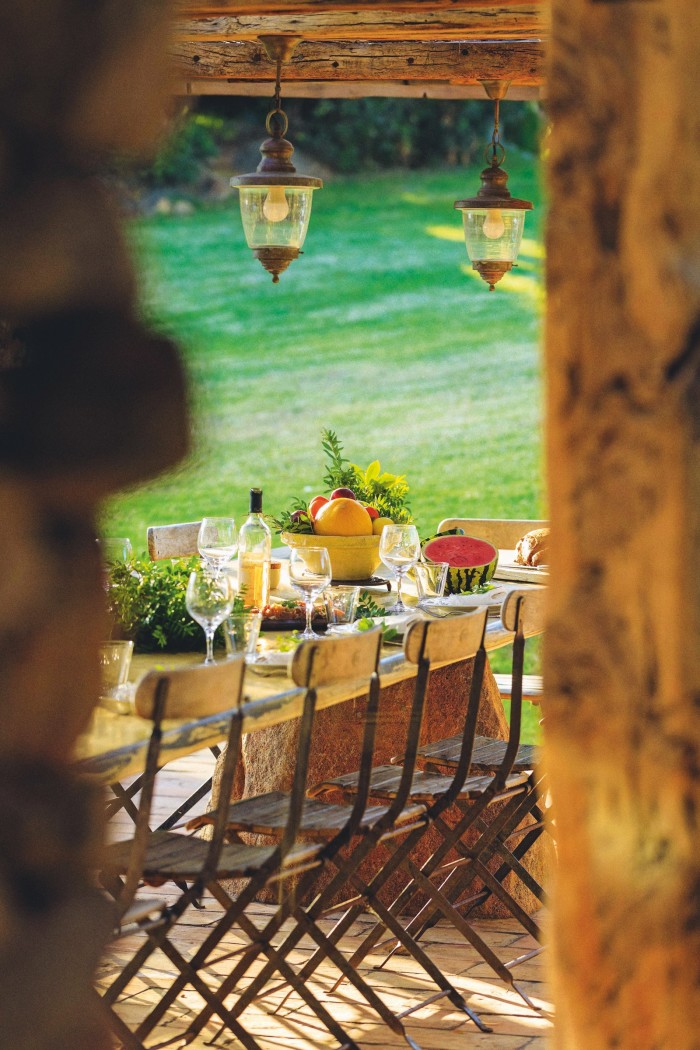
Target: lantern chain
{"type": "Point", "coordinates": [277, 122]}
{"type": "Point", "coordinates": [496, 152]}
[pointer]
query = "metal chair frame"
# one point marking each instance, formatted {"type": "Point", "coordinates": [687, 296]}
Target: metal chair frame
{"type": "Point", "coordinates": [488, 757]}
{"type": "Point", "coordinates": [474, 795]}
{"type": "Point", "coordinates": [395, 820]}
{"type": "Point", "coordinates": [305, 661]}
{"type": "Point", "coordinates": [171, 856]}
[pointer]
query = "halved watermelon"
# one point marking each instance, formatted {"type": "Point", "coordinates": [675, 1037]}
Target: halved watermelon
{"type": "Point", "coordinates": [472, 561]}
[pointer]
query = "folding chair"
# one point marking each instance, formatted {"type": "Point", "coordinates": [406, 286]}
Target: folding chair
{"type": "Point", "coordinates": [522, 610]}
{"type": "Point", "coordinates": [164, 541]}
{"type": "Point", "coordinates": [173, 856]}
{"type": "Point", "coordinates": [473, 796]}
{"type": "Point", "coordinates": [353, 825]}
{"type": "Point", "coordinates": [315, 664]}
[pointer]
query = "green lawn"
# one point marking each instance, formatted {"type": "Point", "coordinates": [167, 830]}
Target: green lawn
{"type": "Point", "coordinates": [380, 331]}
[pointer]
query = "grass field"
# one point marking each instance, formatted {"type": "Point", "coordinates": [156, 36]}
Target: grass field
{"type": "Point", "coordinates": [380, 331]}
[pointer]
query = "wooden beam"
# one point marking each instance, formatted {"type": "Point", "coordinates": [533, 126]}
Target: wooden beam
{"type": "Point", "coordinates": [353, 89]}
{"type": "Point", "coordinates": [501, 21]}
{"type": "Point", "coordinates": [466, 63]}
{"type": "Point", "coordinates": [202, 8]}
{"type": "Point", "coordinates": [622, 662]}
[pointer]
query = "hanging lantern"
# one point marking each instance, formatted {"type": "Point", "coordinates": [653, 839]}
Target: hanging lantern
{"type": "Point", "coordinates": [275, 200]}
{"type": "Point", "coordinates": [493, 219]}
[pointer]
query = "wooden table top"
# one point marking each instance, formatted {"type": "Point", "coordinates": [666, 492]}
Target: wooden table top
{"type": "Point", "coordinates": [115, 745]}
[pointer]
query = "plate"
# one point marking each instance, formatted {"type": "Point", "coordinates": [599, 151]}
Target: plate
{"type": "Point", "coordinates": [492, 599]}
{"type": "Point", "coordinates": [371, 581]}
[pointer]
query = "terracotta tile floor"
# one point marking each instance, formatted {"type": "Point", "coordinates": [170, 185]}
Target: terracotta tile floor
{"type": "Point", "coordinates": [438, 1026]}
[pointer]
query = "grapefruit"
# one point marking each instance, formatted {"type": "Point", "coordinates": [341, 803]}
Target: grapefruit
{"type": "Point", "coordinates": [342, 517]}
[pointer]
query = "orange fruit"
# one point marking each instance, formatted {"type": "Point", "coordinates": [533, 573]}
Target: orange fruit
{"type": "Point", "coordinates": [342, 517]}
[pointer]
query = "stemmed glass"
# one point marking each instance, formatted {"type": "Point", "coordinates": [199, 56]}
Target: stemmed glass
{"type": "Point", "coordinates": [309, 574]}
{"type": "Point", "coordinates": [209, 601]}
{"type": "Point", "coordinates": [116, 549]}
{"type": "Point", "coordinates": [399, 549]}
{"type": "Point", "coordinates": [216, 542]}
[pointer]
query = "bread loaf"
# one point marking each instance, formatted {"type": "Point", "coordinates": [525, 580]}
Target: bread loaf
{"type": "Point", "coordinates": [533, 548]}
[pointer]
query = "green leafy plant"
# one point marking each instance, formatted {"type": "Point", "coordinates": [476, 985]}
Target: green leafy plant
{"type": "Point", "coordinates": [380, 489]}
{"type": "Point", "coordinates": [146, 601]}
{"type": "Point", "coordinates": [367, 607]}
{"type": "Point", "coordinates": [387, 492]}
{"type": "Point", "coordinates": [389, 633]}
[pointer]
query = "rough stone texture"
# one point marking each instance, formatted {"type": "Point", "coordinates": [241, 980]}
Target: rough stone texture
{"type": "Point", "coordinates": [622, 667]}
{"type": "Point", "coordinates": [269, 757]}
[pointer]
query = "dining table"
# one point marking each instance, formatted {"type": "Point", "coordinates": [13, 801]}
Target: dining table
{"type": "Point", "coordinates": [114, 746]}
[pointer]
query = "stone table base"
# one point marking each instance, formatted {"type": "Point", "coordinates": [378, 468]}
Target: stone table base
{"type": "Point", "coordinates": [269, 758]}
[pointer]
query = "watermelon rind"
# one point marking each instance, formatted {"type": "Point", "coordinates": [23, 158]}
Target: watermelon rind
{"type": "Point", "coordinates": [464, 579]}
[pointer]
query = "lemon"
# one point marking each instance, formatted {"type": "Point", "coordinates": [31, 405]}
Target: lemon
{"type": "Point", "coordinates": [342, 517]}
{"type": "Point", "coordinates": [379, 523]}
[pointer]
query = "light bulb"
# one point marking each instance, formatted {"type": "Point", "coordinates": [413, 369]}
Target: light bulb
{"type": "Point", "coordinates": [494, 226]}
{"type": "Point", "coordinates": [275, 206]}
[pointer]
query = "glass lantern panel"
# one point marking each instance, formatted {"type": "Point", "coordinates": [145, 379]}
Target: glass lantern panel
{"type": "Point", "coordinates": [275, 216]}
{"type": "Point", "coordinates": [493, 233]}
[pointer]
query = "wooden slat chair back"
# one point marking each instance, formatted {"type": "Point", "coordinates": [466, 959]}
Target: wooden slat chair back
{"type": "Point", "coordinates": [530, 605]}
{"type": "Point", "coordinates": [444, 641]}
{"type": "Point", "coordinates": [337, 659]}
{"type": "Point", "coordinates": [503, 533]}
{"type": "Point", "coordinates": [173, 541]}
{"type": "Point", "coordinates": [192, 692]}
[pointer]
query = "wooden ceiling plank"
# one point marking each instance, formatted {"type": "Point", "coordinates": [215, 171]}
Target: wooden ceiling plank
{"type": "Point", "coordinates": [521, 63]}
{"type": "Point", "coordinates": [209, 8]}
{"type": "Point", "coordinates": [492, 22]}
{"type": "Point", "coordinates": [355, 89]}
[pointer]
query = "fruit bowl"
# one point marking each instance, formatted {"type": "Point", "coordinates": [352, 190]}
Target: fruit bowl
{"type": "Point", "coordinates": [352, 557]}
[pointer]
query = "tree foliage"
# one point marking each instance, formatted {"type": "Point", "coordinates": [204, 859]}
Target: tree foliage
{"type": "Point", "coordinates": [347, 135]}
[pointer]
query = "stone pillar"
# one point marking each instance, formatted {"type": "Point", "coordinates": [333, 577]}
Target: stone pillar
{"type": "Point", "coordinates": [622, 664]}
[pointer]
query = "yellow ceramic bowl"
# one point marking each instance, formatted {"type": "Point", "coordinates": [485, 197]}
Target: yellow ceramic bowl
{"type": "Point", "coordinates": [352, 557]}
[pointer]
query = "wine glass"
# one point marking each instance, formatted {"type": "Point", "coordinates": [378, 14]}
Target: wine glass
{"type": "Point", "coordinates": [309, 574]}
{"type": "Point", "coordinates": [216, 542]}
{"type": "Point", "coordinates": [209, 600]}
{"type": "Point", "coordinates": [116, 549]}
{"type": "Point", "coordinates": [399, 549]}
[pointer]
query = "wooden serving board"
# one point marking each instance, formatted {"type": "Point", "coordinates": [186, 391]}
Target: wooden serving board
{"type": "Point", "coordinates": [508, 569]}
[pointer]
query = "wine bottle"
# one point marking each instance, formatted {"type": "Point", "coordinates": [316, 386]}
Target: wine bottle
{"type": "Point", "coordinates": [254, 546]}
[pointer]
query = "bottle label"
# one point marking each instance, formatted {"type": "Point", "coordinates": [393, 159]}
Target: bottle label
{"type": "Point", "coordinates": [254, 580]}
